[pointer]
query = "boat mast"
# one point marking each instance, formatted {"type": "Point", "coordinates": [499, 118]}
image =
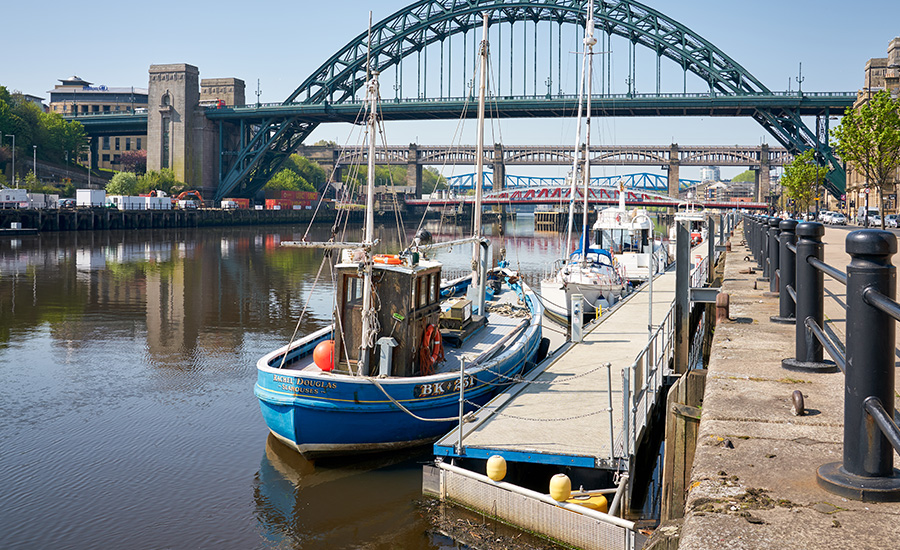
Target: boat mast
{"type": "Point", "coordinates": [368, 239]}
{"type": "Point", "coordinates": [479, 165]}
{"type": "Point", "coordinates": [589, 42]}
{"type": "Point", "coordinates": [573, 183]}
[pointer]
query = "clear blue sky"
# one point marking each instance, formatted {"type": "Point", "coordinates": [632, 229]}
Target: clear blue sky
{"type": "Point", "coordinates": [279, 43]}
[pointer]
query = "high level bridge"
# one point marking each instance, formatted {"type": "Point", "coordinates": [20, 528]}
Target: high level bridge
{"type": "Point", "coordinates": [426, 56]}
{"type": "Point", "coordinates": [759, 158]}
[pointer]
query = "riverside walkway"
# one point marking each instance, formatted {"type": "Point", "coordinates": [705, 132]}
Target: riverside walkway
{"type": "Point", "coordinates": [753, 482]}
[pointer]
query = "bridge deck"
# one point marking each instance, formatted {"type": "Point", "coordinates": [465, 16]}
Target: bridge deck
{"type": "Point", "coordinates": [559, 415]}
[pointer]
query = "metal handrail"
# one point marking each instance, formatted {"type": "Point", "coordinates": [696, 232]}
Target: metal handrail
{"type": "Point", "coordinates": [832, 272]}
{"type": "Point", "coordinates": [883, 420]}
{"type": "Point", "coordinates": [827, 344]}
{"type": "Point", "coordinates": [881, 302]}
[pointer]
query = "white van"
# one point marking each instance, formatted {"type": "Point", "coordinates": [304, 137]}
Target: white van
{"type": "Point", "coordinates": [861, 215]}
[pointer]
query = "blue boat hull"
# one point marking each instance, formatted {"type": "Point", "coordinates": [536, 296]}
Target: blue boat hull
{"type": "Point", "coordinates": [320, 413]}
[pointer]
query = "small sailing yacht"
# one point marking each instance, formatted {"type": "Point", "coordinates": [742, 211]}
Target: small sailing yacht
{"type": "Point", "coordinates": [589, 271]}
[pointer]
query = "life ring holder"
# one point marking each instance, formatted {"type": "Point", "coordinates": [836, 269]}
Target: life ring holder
{"type": "Point", "coordinates": [432, 350]}
{"type": "Point", "coordinates": [388, 259]}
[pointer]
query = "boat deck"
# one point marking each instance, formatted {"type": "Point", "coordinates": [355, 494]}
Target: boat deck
{"type": "Point", "coordinates": [560, 413]}
{"type": "Point", "coordinates": [498, 326]}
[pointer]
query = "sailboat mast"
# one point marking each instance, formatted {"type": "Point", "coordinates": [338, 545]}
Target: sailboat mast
{"type": "Point", "coordinates": [479, 151]}
{"type": "Point", "coordinates": [589, 42]}
{"type": "Point", "coordinates": [369, 238]}
{"type": "Point", "coordinates": [573, 183]}
{"type": "Point", "coordinates": [479, 167]}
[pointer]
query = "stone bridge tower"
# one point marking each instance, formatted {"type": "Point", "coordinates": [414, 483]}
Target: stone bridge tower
{"type": "Point", "coordinates": [179, 135]}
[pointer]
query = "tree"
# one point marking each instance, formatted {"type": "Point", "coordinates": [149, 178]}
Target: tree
{"type": "Point", "coordinates": [868, 139]}
{"type": "Point", "coordinates": [746, 175]}
{"type": "Point", "coordinates": [162, 180]}
{"type": "Point", "coordinates": [287, 180]}
{"type": "Point", "coordinates": [801, 179]}
{"type": "Point", "coordinates": [122, 183]}
{"type": "Point", "coordinates": [134, 161]}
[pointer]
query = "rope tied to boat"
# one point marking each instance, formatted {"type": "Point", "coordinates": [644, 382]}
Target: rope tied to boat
{"type": "Point", "coordinates": [518, 378]}
{"type": "Point", "coordinates": [509, 310]}
{"type": "Point", "coordinates": [469, 417]}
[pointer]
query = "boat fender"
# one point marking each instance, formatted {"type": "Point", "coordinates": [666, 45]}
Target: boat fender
{"type": "Point", "coordinates": [389, 259]}
{"type": "Point", "coordinates": [432, 350]}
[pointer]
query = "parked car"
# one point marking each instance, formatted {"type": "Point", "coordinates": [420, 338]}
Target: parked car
{"type": "Point", "coordinates": [825, 217]}
{"type": "Point", "coordinates": [838, 219]}
{"type": "Point", "coordinates": [66, 203]}
{"type": "Point", "coordinates": [874, 220]}
{"type": "Point", "coordinates": [891, 220]}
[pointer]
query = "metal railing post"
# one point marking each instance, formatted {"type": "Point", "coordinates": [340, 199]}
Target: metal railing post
{"type": "Point", "coordinates": [711, 249]}
{"type": "Point", "coordinates": [682, 297]}
{"type": "Point", "coordinates": [760, 245]}
{"type": "Point", "coordinates": [774, 253]}
{"type": "Point", "coordinates": [867, 471]}
{"type": "Point", "coordinates": [810, 291]}
{"type": "Point", "coordinates": [786, 273]}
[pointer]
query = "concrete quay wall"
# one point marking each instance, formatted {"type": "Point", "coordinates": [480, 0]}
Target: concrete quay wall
{"type": "Point", "coordinates": [753, 482]}
{"type": "Point", "coordinates": [89, 219]}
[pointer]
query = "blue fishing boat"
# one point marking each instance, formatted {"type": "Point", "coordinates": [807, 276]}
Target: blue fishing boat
{"type": "Point", "coordinates": [398, 366]}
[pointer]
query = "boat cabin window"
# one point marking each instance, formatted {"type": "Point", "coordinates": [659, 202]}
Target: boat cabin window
{"type": "Point", "coordinates": [353, 286]}
{"type": "Point", "coordinates": [427, 289]}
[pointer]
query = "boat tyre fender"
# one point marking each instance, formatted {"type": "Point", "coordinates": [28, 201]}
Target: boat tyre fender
{"type": "Point", "coordinates": [432, 350]}
{"type": "Point", "coordinates": [389, 259]}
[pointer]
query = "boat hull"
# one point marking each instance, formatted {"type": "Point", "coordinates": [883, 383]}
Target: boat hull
{"type": "Point", "coordinates": [324, 414]}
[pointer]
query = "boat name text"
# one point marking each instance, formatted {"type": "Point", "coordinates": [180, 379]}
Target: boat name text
{"type": "Point", "coordinates": [302, 385]}
{"type": "Point", "coordinates": [440, 388]}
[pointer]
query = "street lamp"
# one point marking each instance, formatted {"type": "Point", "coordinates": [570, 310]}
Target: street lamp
{"type": "Point", "coordinates": [14, 159]}
{"type": "Point", "coordinates": [34, 162]}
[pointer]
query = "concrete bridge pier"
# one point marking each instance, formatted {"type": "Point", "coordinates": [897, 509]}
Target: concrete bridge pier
{"type": "Point", "coordinates": [674, 170]}
{"type": "Point", "coordinates": [499, 182]}
{"type": "Point", "coordinates": [414, 169]}
{"type": "Point", "coordinates": [762, 177]}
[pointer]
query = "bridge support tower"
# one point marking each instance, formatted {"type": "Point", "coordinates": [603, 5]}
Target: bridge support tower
{"type": "Point", "coordinates": [499, 183]}
{"type": "Point", "coordinates": [414, 170]}
{"type": "Point", "coordinates": [179, 136]}
{"type": "Point", "coordinates": [674, 170]}
{"type": "Point", "coordinates": [763, 180]}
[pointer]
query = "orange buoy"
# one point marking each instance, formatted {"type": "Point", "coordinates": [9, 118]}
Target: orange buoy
{"type": "Point", "coordinates": [323, 355]}
{"type": "Point", "coordinates": [389, 259]}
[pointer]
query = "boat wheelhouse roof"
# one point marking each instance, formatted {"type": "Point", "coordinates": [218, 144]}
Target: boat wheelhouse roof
{"type": "Point", "coordinates": [400, 268]}
{"type": "Point", "coordinates": [629, 220]}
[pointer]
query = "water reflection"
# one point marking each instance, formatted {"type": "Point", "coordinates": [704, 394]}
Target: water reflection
{"type": "Point", "coordinates": [362, 503]}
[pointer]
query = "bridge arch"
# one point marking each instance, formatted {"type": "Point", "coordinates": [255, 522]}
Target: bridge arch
{"type": "Point", "coordinates": [410, 30]}
{"type": "Point", "coordinates": [426, 22]}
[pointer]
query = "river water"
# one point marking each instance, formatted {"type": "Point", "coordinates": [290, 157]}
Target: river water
{"type": "Point", "coordinates": [127, 414]}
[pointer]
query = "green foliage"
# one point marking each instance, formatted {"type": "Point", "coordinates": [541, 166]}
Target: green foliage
{"type": "Point", "coordinates": [868, 139]}
{"type": "Point", "coordinates": [51, 133]}
{"type": "Point", "coordinates": [287, 180]}
{"type": "Point", "coordinates": [305, 175]}
{"type": "Point", "coordinates": [801, 179]}
{"type": "Point", "coordinates": [745, 176]}
{"type": "Point", "coordinates": [431, 179]}
{"type": "Point", "coordinates": [162, 180]}
{"type": "Point", "coordinates": [123, 183]}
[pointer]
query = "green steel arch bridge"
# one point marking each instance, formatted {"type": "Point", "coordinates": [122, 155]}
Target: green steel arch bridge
{"type": "Point", "coordinates": [426, 55]}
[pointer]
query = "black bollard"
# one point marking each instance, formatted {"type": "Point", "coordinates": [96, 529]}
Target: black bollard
{"type": "Point", "coordinates": [774, 253]}
{"type": "Point", "coordinates": [867, 471]}
{"type": "Point", "coordinates": [810, 289]}
{"type": "Point", "coordinates": [764, 249]}
{"type": "Point", "coordinates": [786, 267]}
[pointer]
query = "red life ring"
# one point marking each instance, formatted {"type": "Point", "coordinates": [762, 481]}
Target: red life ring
{"type": "Point", "coordinates": [432, 350]}
{"type": "Point", "coordinates": [618, 218]}
{"type": "Point", "coordinates": [390, 259]}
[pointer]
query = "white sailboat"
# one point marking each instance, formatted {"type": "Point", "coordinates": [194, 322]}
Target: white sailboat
{"type": "Point", "coordinates": [585, 270]}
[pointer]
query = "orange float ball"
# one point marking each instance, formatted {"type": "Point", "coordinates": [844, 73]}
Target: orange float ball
{"type": "Point", "coordinates": [323, 355]}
